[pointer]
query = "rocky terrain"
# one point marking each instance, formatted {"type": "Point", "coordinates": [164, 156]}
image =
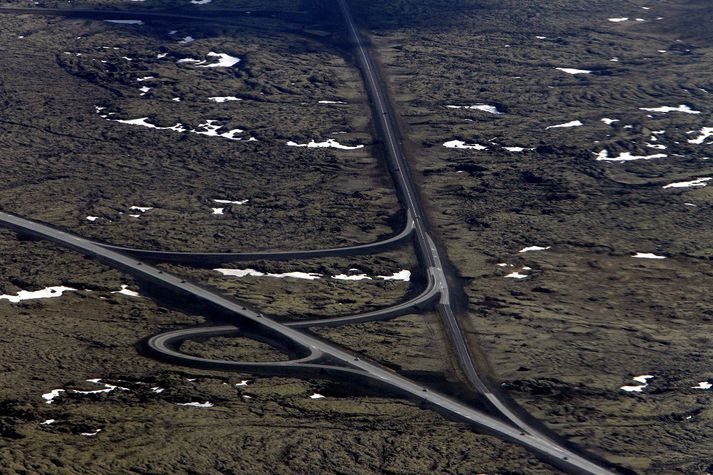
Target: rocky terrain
{"type": "Point", "coordinates": [78, 397]}
{"type": "Point", "coordinates": [564, 149]}
{"type": "Point", "coordinates": [220, 175]}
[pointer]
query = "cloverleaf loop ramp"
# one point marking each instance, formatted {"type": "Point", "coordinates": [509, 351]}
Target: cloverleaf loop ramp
{"type": "Point", "coordinates": [317, 357]}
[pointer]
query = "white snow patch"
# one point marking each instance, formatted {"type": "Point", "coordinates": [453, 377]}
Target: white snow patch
{"type": "Point", "coordinates": [643, 380]}
{"type": "Point", "coordinates": [656, 146]}
{"type": "Point", "coordinates": [142, 209]}
{"type": "Point", "coordinates": [463, 145]}
{"type": "Point", "coordinates": [255, 273]}
{"type": "Point", "coordinates": [157, 390]}
{"type": "Point", "coordinates": [126, 291]}
{"type": "Point", "coordinates": [224, 98]}
{"type": "Point", "coordinates": [92, 218]}
{"type": "Point", "coordinates": [92, 433]}
{"type": "Point", "coordinates": [211, 130]}
{"type": "Point", "coordinates": [516, 149]}
{"type": "Point", "coordinates": [186, 39]}
{"type": "Point", "coordinates": [244, 382]}
{"type": "Point", "coordinates": [534, 248]}
{"type": "Point", "coordinates": [705, 133]}
{"type": "Point", "coordinates": [196, 404]}
{"type": "Point", "coordinates": [316, 396]}
{"type": "Point", "coordinates": [229, 202]}
{"type": "Point", "coordinates": [647, 255]}
{"type": "Point", "coordinates": [48, 422]}
{"type": "Point", "coordinates": [351, 277]}
{"type": "Point", "coordinates": [618, 19]}
{"type": "Point", "coordinates": [574, 123]}
{"type": "Point", "coordinates": [200, 2]}
{"type": "Point", "coordinates": [329, 143]}
{"type": "Point", "coordinates": [331, 102]}
{"type": "Point", "coordinates": [481, 107]}
{"type": "Point", "coordinates": [218, 210]}
{"type": "Point", "coordinates": [517, 275]}
{"type": "Point", "coordinates": [699, 182]}
{"type": "Point", "coordinates": [609, 121]}
{"type": "Point", "coordinates": [626, 156]}
{"type": "Point", "coordinates": [665, 109]}
{"type": "Point", "coordinates": [403, 275]}
{"type": "Point", "coordinates": [50, 396]}
{"type": "Point", "coordinates": [143, 122]}
{"type": "Point", "coordinates": [703, 385]}
{"type": "Point", "coordinates": [574, 71]}
{"type": "Point", "coordinates": [48, 292]}
{"type": "Point", "coordinates": [224, 61]}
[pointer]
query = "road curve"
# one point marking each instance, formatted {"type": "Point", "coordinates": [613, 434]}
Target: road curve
{"type": "Point", "coordinates": [210, 258]}
{"type": "Point", "coordinates": [421, 301]}
{"type": "Point", "coordinates": [341, 363]}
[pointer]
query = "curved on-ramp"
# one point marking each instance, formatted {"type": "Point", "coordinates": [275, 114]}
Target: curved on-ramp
{"type": "Point", "coordinates": [341, 363]}
{"type": "Point", "coordinates": [209, 258]}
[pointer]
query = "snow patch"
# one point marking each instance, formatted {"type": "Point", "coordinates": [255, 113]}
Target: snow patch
{"type": "Point", "coordinates": [126, 291]}
{"type": "Point", "coordinates": [665, 109]}
{"type": "Point", "coordinates": [626, 157]}
{"type": "Point", "coordinates": [464, 145]}
{"type": "Point", "coordinates": [196, 404]}
{"type": "Point", "coordinates": [229, 202]}
{"type": "Point", "coordinates": [647, 255]}
{"type": "Point", "coordinates": [534, 248]}
{"type": "Point", "coordinates": [50, 396]}
{"type": "Point", "coordinates": [643, 380]}
{"type": "Point", "coordinates": [329, 143]}
{"type": "Point", "coordinates": [574, 123]}
{"type": "Point", "coordinates": [481, 107]}
{"type": "Point", "coordinates": [698, 182]}
{"type": "Point", "coordinates": [224, 61]}
{"type": "Point", "coordinates": [224, 99]}
{"type": "Point", "coordinates": [705, 133]}
{"type": "Point", "coordinates": [574, 71]}
{"type": "Point", "coordinates": [46, 293]}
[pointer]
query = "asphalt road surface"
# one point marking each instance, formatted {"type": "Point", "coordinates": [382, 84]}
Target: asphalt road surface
{"type": "Point", "coordinates": [318, 357]}
{"type": "Point", "coordinates": [321, 357]}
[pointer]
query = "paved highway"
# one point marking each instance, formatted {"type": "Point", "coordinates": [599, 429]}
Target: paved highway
{"type": "Point", "coordinates": [428, 252]}
{"type": "Point", "coordinates": [323, 358]}
{"type": "Point", "coordinates": [319, 358]}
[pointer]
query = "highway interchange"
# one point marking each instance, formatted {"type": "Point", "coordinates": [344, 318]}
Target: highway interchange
{"type": "Point", "coordinates": [316, 357]}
